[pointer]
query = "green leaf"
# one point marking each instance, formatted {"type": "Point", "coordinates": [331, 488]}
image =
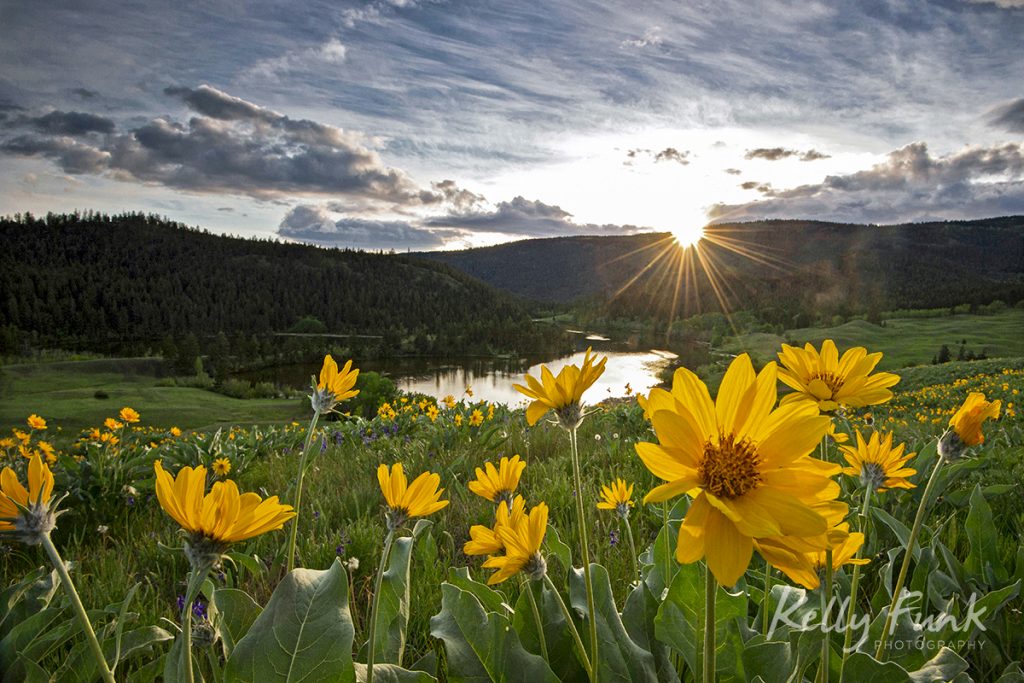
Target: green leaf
{"type": "Point", "coordinates": [983, 535]}
{"type": "Point", "coordinates": [393, 601]}
{"type": "Point", "coordinates": [772, 661]}
{"type": "Point", "coordinates": [236, 612]}
{"type": "Point", "coordinates": [554, 545]}
{"type": "Point", "coordinates": [620, 658]}
{"type": "Point", "coordinates": [483, 645]}
{"type": "Point", "coordinates": [863, 667]}
{"type": "Point", "coordinates": [944, 666]}
{"type": "Point", "coordinates": [304, 633]}
{"type": "Point", "coordinates": [23, 634]}
{"type": "Point", "coordinates": [389, 673]}
{"type": "Point", "coordinates": [900, 529]}
{"type": "Point", "coordinates": [492, 600]}
{"type": "Point", "coordinates": [557, 635]}
{"type": "Point", "coordinates": [638, 617]}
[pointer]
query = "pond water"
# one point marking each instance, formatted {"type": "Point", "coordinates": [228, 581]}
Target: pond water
{"type": "Point", "coordinates": [491, 379]}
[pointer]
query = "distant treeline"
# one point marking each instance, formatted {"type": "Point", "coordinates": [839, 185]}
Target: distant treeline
{"type": "Point", "coordinates": [789, 273]}
{"type": "Point", "coordinates": [136, 283]}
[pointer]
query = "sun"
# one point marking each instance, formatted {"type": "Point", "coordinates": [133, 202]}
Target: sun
{"type": "Point", "coordinates": [688, 235]}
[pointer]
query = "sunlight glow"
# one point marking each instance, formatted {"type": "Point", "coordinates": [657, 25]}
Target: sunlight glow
{"type": "Point", "coordinates": [688, 235]}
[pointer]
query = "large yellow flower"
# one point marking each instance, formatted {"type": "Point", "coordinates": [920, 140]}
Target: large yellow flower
{"type": "Point", "coordinates": [521, 543]}
{"type": "Point", "coordinates": [498, 484]}
{"type": "Point", "coordinates": [405, 500]}
{"type": "Point", "coordinates": [967, 421]}
{"type": "Point", "coordinates": [745, 464]}
{"type": "Point", "coordinates": [877, 464]}
{"type": "Point", "coordinates": [618, 497]}
{"type": "Point", "coordinates": [15, 499]}
{"type": "Point", "coordinates": [831, 382]}
{"type": "Point", "coordinates": [485, 540]}
{"type": "Point", "coordinates": [563, 393]}
{"type": "Point", "coordinates": [128, 415]}
{"type": "Point", "coordinates": [36, 422]}
{"type": "Point", "coordinates": [338, 382]}
{"type": "Point", "coordinates": [220, 517]}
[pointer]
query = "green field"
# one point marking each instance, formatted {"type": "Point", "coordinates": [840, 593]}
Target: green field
{"type": "Point", "coordinates": [904, 341]}
{"type": "Point", "coordinates": [65, 393]}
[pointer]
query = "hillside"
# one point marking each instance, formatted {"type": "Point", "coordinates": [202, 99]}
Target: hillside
{"type": "Point", "coordinates": [783, 269]}
{"type": "Point", "coordinates": [99, 282]}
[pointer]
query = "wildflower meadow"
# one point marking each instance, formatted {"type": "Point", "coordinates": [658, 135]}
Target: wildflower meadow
{"type": "Point", "coordinates": [811, 519]}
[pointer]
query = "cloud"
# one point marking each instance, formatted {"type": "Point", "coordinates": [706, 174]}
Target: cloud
{"type": "Point", "coordinates": [763, 188]}
{"type": "Point", "coordinates": [84, 93]}
{"type": "Point", "coordinates": [329, 54]}
{"type": "Point", "coordinates": [777, 153]}
{"type": "Point", "coordinates": [672, 154]}
{"type": "Point", "coordinates": [69, 154]}
{"type": "Point", "coordinates": [910, 185]}
{"type": "Point", "coordinates": [315, 224]}
{"type": "Point", "coordinates": [73, 123]}
{"type": "Point", "coordinates": [1005, 4]}
{"type": "Point", "coordinates": [527, 218]}
{"type": "Point", "coordinates": [461, 200]}
{"type": "Point", "coordinates": [652, 36]}
{"type": "Point", "coordinates": [733, 171]}
{"type": "Point", "coordinates": [1009, 116]}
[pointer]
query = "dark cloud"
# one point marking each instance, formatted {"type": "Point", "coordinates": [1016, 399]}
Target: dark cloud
{"type": "Point", "coordinates": [460, 198]}
{"type": "Point", "coordinates": [777, 153]}
{"type": "Point", "coordinates": [672, 154]}
{"type": "Point", "coordinates": [69, 154]}
{"type": "Point", "coordinates": [1009, 116]}
{"type": "Point", "coordinates": [526, 218]}
{"type": "Point", "coordinates": [909, 185]}
{"type": "Point", "coordinates": [315, 224]}
{"type": "Point", "coordinates": [733, 171]}
{"type": "Point", "coordinates": [72, 123]}
{"type": "Point", "coordinates": [85, 93]}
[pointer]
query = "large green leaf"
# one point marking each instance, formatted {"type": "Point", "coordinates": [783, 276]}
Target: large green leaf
{"type": "Point", "coordinates": [944, 666]}
{"type": "Point", "coordinates": [481, 645]}
{"type": "Point", "coordinates": [638, 615]}
{"type": "Point", "coordinates": [236, 613]}
{"type": "Point", "coordinates": [619, 657]}
{"type": "Point", "coordinates": [772, 661]}
{"type": "Point", "coordinates": [983, 559]}
{"type": "Point", "coordinates": [393, 601]}
{"type": "Point", "coordinates": [862, 667]}
{"type": "Point", "coordinates": [304, 633]}
{"type": "Point", "coordinates": [680, 624]}
{"type": "Point", "coordinates": [389, 673]}
{"type": "Point", "coordinates": [557, 636]}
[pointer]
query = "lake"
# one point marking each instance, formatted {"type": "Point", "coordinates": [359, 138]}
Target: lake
{"type": "Point", "coordinates": [491, 379]}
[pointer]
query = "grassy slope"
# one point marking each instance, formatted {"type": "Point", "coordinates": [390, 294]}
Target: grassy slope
{"type": "Point", "coordinates": [64, 393]}
{"type": "Point", "coordinates": [904, 341]}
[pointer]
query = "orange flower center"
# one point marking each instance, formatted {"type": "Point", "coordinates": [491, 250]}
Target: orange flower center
{"type": "Point", "coordinates": [729, 469]}
{"type": "Point", "coordinates": [825, 383]}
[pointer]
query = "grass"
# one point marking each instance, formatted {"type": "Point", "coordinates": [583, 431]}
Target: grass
{"type": "Point", "coordinates": [65, 392]}
{"type": "Point", "coordinates": [904, 341]}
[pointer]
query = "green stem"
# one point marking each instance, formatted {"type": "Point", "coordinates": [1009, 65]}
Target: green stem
{"type": "Point", "coordinates": [76, 602]}
{"type": "Point", "coordinates": [851, 610]}
{"type": "Point", "coordinates": [884, 637]}
{"type": "Point", "coordinates": [668, 544]}
{"type": "Point", "coordinates": [710, 590]}
{"type": "Point", "coordinates": [195, 582]}
{"type": "Point", "coordinates": [580, 650]}
{"type": "Point", "coordinates": [632, 548]}
{"type": "Point", "coordinates": [826, 595]}
{"type": "Point", "coordinates": [298, 492]}
{"type": "Point", "coordinates": [582, 521]}
{"type": "Point", "coordinates": [537, 619]}
{"type": "Point", "coordinates": [373, 607]}
{"type": "Point", "coordinates": [767, 593]}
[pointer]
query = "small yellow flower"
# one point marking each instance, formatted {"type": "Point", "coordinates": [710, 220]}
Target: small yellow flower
{"type": "Point", "coordinates": [877, 464]}
{"type": "Point", "coordinates": [419, 499]}
{"type": "Point", "coordinates": [432, 413]}
{"type": "Point", "coordinates": [476, 419]}
{"type": "Point", "coordinates": [469, 391]}
{"type": "Point", "coordinates": [94, 434]}
{"type": "Point", "coordinates": [457, 419]}
{"type": "Point", "coordinates": [175, 432]}
{"type": "Point", "coordinates": [831, 382]}
{"type": "Point", "coordinates": [221, 467]}
{"type": "Point", "coordinates": [36, 422]}
{"type": "Point", "coordinates": [27, 511]}
{"type": "Point", "coordinates": [806, 568]}
{"type": "Point", "coordinates": [498, 484]}
{"type": "Point", "coordinates": [339, 383]}
{"type": "Point", "coordinates": [522, 544]}
{"type": "Point", "coordinates": [967, 421]}
{"type": "Point", "coordinates": [837, 437]}
{"type": "Point", "coordinates": [7, 442]}
{"type": "Point", "coordinates": [563, 393]}
{"type": "Point", "coordinates": [21, 436]}
{"type": "Point", "coordinates": [128, 415]}
{"type": "Point", "coordinates": [219, 518]}
{"type": "Point", "coordinates": [112, 424]}
{"type": "Point", "coordinates": [47, 449]}
{"type": "Point", "coordinates": [449, 401]}
{"type": "Point", "coordinates": [617, 497]}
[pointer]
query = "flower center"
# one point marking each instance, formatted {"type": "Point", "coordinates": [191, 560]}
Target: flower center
{"type": "Point", "coordinates": [729, 469]}
{"type": "Point", "coordinates": [825, 382]}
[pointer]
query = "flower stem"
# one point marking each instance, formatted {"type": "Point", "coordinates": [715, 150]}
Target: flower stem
{"type": "Point", "coordinates": [298, 491]}
{"type": "Point", "coordinates": [851, 610]}
{"type": "Point", "coordinates": [537, 619]}
{"type": "Point", "coordinates": [373, 607]}
{"type": "Point", "coordinates": [582, 523]}
{"type": "Point", "coordinates": [580, 650]}
{"type": "Point", "coordinates": [195, 582]}
{"type": "Point", "coordinates": [767, 594]}
{"type": "Point", "coordinates": [632, 548]}
{"type": "Point", "coordinates": [826, 596]}
{"type": "Point", "coordinates": [710, 590]}
{"type": "Point", "coordinates": [76, 602]}
{"type": "Point", "coordinates": [884, 636]}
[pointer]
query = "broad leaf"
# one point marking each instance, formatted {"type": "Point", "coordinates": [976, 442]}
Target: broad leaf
{"type": "Point", "coordinates": [393, 602]}
{"type": "Point", "coordinates": [236, 612]}
{"type": "Point", "coordinates": [983, 560]}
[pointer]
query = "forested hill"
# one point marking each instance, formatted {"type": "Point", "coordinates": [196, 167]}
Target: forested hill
{"type": "Point", "coordinates": [782, 269]}
{"type": "Point", "coordinates": [85, 281]}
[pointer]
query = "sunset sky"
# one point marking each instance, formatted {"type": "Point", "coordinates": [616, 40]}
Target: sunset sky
{"type": "Point", "coordinates": [421, 124]}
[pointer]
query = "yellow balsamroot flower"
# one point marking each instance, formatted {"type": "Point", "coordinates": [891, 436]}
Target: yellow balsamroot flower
{"type": "Point", "coordinates": [112, 424]}
{"type": "Point", "coordinates": [967, 421]}
{"type": "Point", "coordinates": [831, 382]}
{"type": "Point", "coordinates": [334, 386]}
{"type": "Point", "coordinates": [522, 542]}
{"type": "Point", "coordinates": [617, 497]}
{"type": "Point", "coordinates": [837, 437]}
{"type": "Point", "coordinates": [27, 512]}
{"type": "Point", "coordinates": [216, 519]}
{"type": "Point", "coordinates": [563, 393]}
{"type": "Point", "coordinates": [457, 419]}
{"type": "Point", "coordinates": [21, 436]}
{"type": "Point", "coordinates": [36, 422]}
{"type": "Point", "coordinates": [432, 413]}
{"type": "Point", "coordinates": [47, 450]}
{"type": "Point", "coordinates": [485, 540]}
{"type": "Point", "coordinates": [221, 467]}
{"type": "Point", "coordinates": [498, 484]}
{"type": "Point", "coordinates": [419, 499]}
{"type": "Point", "coordinates": [128, 415]}
{"type": "Point", "coordinates": [476, 418]}
{"type": "Point", "coordinates": [449, 401]}
{"type": "Point", "coordinates": [175, 432]}
{"type": "Point", "coordinates": [743, 461]}
{"type": "Point", "coordinates": [806, 568]}
{"type": "Point", "coordinates": [878, 464]}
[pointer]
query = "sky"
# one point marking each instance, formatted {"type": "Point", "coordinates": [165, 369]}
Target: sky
{"type": "Point", "coordinates": [427, 124]}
